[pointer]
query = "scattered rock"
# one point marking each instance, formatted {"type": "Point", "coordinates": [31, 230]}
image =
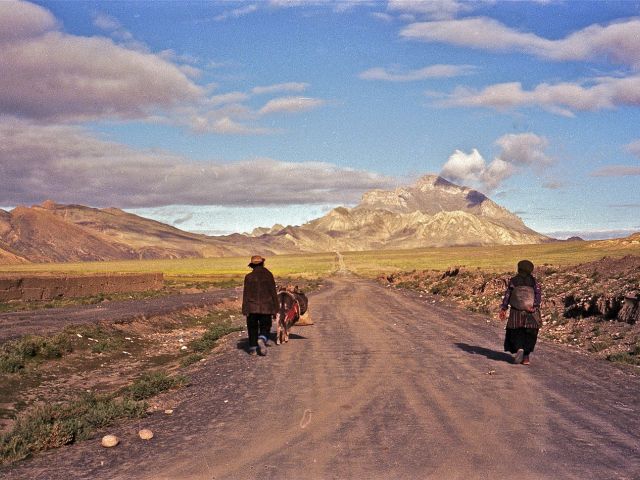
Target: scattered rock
{"type": "Point", "coordinates": [169, 411]}
{"type": "Point", "coordinates": [110, 441]}
{"type": "Point", "coordinates": [145, 434]}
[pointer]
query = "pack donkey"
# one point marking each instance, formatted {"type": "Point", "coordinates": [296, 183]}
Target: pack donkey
{"type": "Point", "coordinates": [293, 303]}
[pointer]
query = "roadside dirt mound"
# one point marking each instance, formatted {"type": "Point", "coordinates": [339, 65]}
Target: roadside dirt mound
{"type": "Point", "coordinates": [594, 306]}
{"type": "Point", "coordinates": [48, 287]}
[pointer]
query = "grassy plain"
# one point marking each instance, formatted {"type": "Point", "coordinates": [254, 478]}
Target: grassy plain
{"type": "Point", "coordinates": [231, 270]}
{"type": "Point", "coordinates": [494, 258]}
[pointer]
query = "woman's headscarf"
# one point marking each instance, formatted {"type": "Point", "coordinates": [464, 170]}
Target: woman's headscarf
{"type": "Point", "coordinates": [525, 267]}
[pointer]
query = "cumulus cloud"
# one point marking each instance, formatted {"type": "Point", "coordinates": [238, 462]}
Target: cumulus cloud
{"type": "Point", "coordinates": [617, 171]}
{"type": "Point", "coordinates": [21, 20]}
{"type": "Point", "coordinates": [70, 165]}
{"type": "Point", "coordinates": [618, 42]}
{"type": "Point", "coordinates": [50, 75]}
{"type": "Point", "coordinates": [518, 151]}
{"type": "Point", "coordinates": [562, 98]}
{"type": "Point", "coordinates": [432, 71]}
{"type": "Point", "coordinates": [290, 105]}
{"type": "Point", "coordinates": [524, 149]}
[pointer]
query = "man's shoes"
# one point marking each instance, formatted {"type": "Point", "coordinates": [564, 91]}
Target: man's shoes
{"type": "Point", "coordinates": [525, 360]}
{"type": "Point", "coordinates": [253, 351]}
{"type": "Point", "coordinates": [519, 356]}
{"type": "Point", "coordinates": [262, 346]}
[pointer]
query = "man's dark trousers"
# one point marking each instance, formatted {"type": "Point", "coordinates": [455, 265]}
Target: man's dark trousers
{"type": "Point", "coordinates": [258, 324]}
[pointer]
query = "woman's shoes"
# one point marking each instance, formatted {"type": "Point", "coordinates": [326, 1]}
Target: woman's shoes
{"type": "Point", "coordinates": [519, 358]}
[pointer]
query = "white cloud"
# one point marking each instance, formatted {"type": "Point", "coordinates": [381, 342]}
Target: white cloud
{"type": "Point", "coordinates": [617, 171]}
{"type": "Point", "coordinates": [472, 169]}
{"type": "Point", "coordinates": [226, 98]}
{"type": "Point", "coordinates": [290, 105]}
{"type": "Point", "coordinates": [49, 75]}
{"type": "Point", "coordinates": [21, 20]}
{"type": "Point", "coordinates": [562, 98]}
{"type": "Point", "coordinates": [432, 71]}
{"type": "Point", "coordinates": [618, 42]}
{"type": "Point", "coordinates": [518, 151]}
{"type": "Point", "coordinates": [633, 148]}
{"type": "Point", "coordinates": [236, 13]}
{"type": "Point", "coordinates": [384, 17]}
{"type": "Point", "coordinates": [70, 165]}
{"type": "Point", "coordinates": [434, 9]}
{"type": "Point", "coordinates": [524, 149]}
{"type": "Point", "coordinates": [280, 87]}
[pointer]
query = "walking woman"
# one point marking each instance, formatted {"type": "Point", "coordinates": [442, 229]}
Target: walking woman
{"type": "Point", "coordinates": [524, 296]}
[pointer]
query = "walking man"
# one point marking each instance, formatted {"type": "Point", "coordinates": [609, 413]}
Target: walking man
{"type": "Point", "coordinates": [259, 304]}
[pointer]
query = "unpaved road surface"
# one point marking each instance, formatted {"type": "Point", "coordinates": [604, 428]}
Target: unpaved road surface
{"type": "Point", "coordinates": [385, 385]}
{"type": "Point", "coordinates": [48, 321]}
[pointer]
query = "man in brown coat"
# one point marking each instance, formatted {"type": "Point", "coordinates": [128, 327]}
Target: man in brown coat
{"type": "Point", "coordinates": [259, 304]}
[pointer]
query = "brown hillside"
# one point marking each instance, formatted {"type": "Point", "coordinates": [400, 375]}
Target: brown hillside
{"type": "Point", "coordinates": [40, 236]}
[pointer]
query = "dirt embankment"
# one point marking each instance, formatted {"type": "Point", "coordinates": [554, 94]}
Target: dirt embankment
{"type": "Point", "coordinates": [47, 287]}
{"type": "Point", "coordinates": [594, 306]}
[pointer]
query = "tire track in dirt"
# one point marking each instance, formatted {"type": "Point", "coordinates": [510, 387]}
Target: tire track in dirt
{"type": "Point", "coordinates": [385, 385]}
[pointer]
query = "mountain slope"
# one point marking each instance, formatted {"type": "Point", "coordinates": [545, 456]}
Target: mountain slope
{"type": "Point", "coordinates": [431, 213]}
{"type": "Point", "coordinates": [68, 233]}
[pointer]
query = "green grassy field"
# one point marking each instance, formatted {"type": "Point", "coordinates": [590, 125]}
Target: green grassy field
{"type": "Point", "coordinates": [231, 270]}
{"type": "Point", "coordinates": [227, 270]}
{"type": "Point", "coordinates": [496, 258]}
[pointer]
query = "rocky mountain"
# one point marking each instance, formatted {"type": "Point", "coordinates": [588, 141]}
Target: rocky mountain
{"type": "Point", "coordinates": [431, 213]}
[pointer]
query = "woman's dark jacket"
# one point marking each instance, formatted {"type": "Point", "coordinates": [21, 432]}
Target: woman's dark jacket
{"type": "Point", "coordinates": [259, 294]}
{"type": "Point", "coordinates": [522, 318]}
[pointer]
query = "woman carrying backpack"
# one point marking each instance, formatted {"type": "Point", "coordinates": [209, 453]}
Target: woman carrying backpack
{"type": "Point", "coordinates": [524, 296]}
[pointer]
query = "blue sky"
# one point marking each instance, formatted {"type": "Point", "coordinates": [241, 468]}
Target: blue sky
{"type": "Point", "coordinates": [225, 116]}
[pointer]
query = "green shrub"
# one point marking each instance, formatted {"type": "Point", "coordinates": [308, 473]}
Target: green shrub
{"type": "Point", "coordinates": [152, 383]}
{"type": "Point", "coordinates": [52, 425]}
{"type": "Point", "coordinates": [191, 359]}
{"type": "Point", "coordinates": [15, 354]}
{"type": "Point", "coordinates": [624, 357]}
{"type": "Point", "coordinates": [210, 336]}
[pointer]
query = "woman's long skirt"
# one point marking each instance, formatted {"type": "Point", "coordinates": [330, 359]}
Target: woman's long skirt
{"type": "Point", "coordinates": [520, 338]}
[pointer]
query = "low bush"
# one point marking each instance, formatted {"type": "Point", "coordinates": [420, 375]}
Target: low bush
{"type": "Point", "coordinates": [15, 354]}
{"type": "Point", "coordinates": [209, 338]}
{"type": "Point", "coordinates": [52, 425]}
{"type": "Point", "coordinates": [152, 383]}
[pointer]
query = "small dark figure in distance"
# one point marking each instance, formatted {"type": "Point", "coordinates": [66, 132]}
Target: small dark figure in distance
{"type": "Point", "coordinates": [259, 304]}
{"type": "Point", "coordinates": [524, 296]}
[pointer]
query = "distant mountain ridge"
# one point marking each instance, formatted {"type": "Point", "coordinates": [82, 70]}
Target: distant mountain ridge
{"type": "Point", "coordinates": [430, 213]}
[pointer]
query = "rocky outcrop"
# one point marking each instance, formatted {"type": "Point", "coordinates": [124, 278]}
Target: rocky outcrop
{"type": "Point", "coordinates": [630, 310]}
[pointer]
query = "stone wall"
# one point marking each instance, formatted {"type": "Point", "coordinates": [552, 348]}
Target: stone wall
{"type": "Point", "coordinates": [48, 287]}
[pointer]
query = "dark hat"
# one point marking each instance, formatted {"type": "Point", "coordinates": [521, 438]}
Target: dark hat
{"type": "Point", "coordinates": [256, 260]}
{"type": "Point", "coordinates": [525, 267]}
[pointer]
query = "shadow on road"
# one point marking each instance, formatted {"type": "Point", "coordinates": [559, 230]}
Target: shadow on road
{"type": "Point", "coordinates": [244, 343]}
{"type": "Point", "coordinates": [490, 354]}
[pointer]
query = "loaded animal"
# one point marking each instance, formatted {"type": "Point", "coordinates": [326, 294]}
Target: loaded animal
{"type": "Point", "coordinates": [292, 304]}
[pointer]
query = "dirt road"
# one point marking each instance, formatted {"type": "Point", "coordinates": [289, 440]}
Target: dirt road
{"type": "Point", "coordinates": [16, 324]}
{"type": "Point", "coordinates": [385, 385]}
